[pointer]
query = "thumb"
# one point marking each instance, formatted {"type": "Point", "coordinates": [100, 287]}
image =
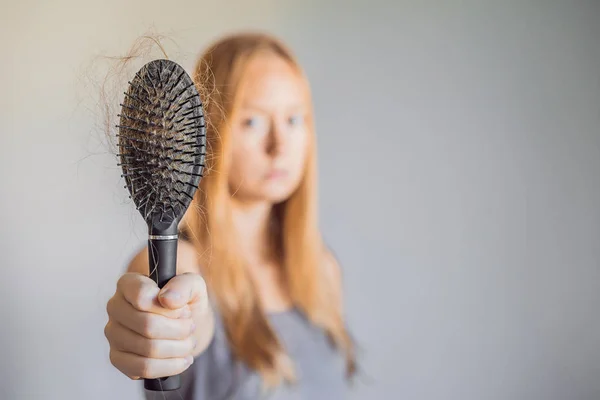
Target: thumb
{"type": "Point", "coordinates": [181, 290]}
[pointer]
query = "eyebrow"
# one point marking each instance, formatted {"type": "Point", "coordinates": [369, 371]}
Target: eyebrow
{"type": "Point", "coordinates": [258, 107]}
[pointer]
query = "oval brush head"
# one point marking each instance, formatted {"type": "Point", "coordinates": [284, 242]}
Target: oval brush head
{"type": "Point", "coordinates": [162, 142]}
{"type": "Point", "coordinates": [162, 138]}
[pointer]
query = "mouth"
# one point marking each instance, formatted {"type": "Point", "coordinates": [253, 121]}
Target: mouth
{"type": "Point", "coordinates": [276, 174]}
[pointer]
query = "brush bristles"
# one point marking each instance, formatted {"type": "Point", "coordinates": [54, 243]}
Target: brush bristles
{"type": "Point", "coordinates": [162, 139]}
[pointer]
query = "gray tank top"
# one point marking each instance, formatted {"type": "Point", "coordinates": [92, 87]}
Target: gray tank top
{"type": "Point", "coordinates": [216, 375]}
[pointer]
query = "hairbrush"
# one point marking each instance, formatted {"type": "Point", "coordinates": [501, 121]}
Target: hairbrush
{"type": "Point", "coordinates": [162, 144]}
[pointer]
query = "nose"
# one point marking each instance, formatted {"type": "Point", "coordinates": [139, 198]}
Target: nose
{"type": "Point", "coordinates": [276, 142]}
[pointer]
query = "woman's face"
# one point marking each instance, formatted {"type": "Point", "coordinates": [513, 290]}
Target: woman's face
{"type": "Point", "coordinates": [269, 133]}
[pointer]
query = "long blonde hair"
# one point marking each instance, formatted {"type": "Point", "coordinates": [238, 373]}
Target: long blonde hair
{"type": "Point", "coordinates": [296, 233]}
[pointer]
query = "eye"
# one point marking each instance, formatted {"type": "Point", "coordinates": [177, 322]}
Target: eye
{"type": "Point", "coordinates": [296, 120]}
{"type": "Point", "coordinates": [254, 123]}
{"type": "Point", "coordinates": [250, 122]}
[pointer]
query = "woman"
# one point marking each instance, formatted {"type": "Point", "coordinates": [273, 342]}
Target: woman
{"type": "Point", "coordinates": [257, 300]}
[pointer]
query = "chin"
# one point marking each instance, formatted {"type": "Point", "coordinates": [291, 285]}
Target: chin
{"type": "Point", "coordinates": [280, 197]}
{"type": "Point", "coordinates": [279, 193]}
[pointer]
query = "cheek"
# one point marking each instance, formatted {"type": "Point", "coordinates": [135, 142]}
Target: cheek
{"type": "Point", "coordinates": [299, 151]}
{"type": "Point", "coordinates": [245, 162]}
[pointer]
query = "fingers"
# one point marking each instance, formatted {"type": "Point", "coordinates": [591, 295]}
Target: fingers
{"type": "Point", "coordinates": [152, 336]}
{"type": "Point", "coordinates": [123, 339]}
{"type": "Point", "coordinates": [136, 366]}
{"type": "Point", "coordinates": [187, 288]}
{"type": "Point", "coordinates": [141, 292]}
{"type": "Point", "coordinates": [149, 325]}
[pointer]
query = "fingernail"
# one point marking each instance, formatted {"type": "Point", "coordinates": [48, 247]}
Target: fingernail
{"type": "Point", "coordinates": [193, 327]}
{"type": "Point", "coordinates": [189, 360]}
{"type": "Point", "coordinates": [195, 343]}
{"type": "Point", "coordinates": [169, 294]}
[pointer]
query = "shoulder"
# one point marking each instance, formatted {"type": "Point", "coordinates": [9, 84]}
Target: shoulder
{"type": "Point", "coordinates": [186, 259]}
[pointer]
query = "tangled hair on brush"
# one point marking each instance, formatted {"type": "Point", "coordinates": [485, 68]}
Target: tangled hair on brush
{"type": "Point", "coordinates": [109, 77]}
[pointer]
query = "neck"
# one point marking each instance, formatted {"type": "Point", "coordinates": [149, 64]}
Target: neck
{"type": "Point", "coordinates": [252, 222]}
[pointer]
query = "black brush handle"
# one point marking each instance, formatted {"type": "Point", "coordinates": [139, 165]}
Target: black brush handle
{"type": "Point", "coordinates": [163, 261]}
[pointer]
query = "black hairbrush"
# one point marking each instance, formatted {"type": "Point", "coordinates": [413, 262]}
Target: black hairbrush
{"type": "Point", "coordinates": [162, 144]}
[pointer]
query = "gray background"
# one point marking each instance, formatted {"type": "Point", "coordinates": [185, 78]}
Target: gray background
{"type": "Point", "coordinates": [459, 175]}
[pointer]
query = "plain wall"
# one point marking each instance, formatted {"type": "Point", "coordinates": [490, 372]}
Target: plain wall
{"type": "Point", "coordinates": [459, 156]}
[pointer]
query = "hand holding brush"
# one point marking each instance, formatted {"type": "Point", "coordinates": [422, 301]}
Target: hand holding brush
{"type": "Point", "coordinates": [162, 142]}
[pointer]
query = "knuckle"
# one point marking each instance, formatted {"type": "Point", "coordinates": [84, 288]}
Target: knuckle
{"type": "Point", "coordinates": [107, 330]}
{"type": "Point", "coordinates": [150, 326]}
{"type": "Point", "coordinates": [123, 281]}
{"type": "Point", "coordinates": [110, 305]}
{"type": "Point", "coordinates": [198, 280]}
{"type": "Point", "coordinates": [137, 296]}
{"type": "Point", "coordinates": [113, 359]}
{"type": "Point", "coordinates": [146, 368]}
{"type": "Point", "coordinates": [149, 348]}
{"type": "Point", "coordinates": [191, 344]}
